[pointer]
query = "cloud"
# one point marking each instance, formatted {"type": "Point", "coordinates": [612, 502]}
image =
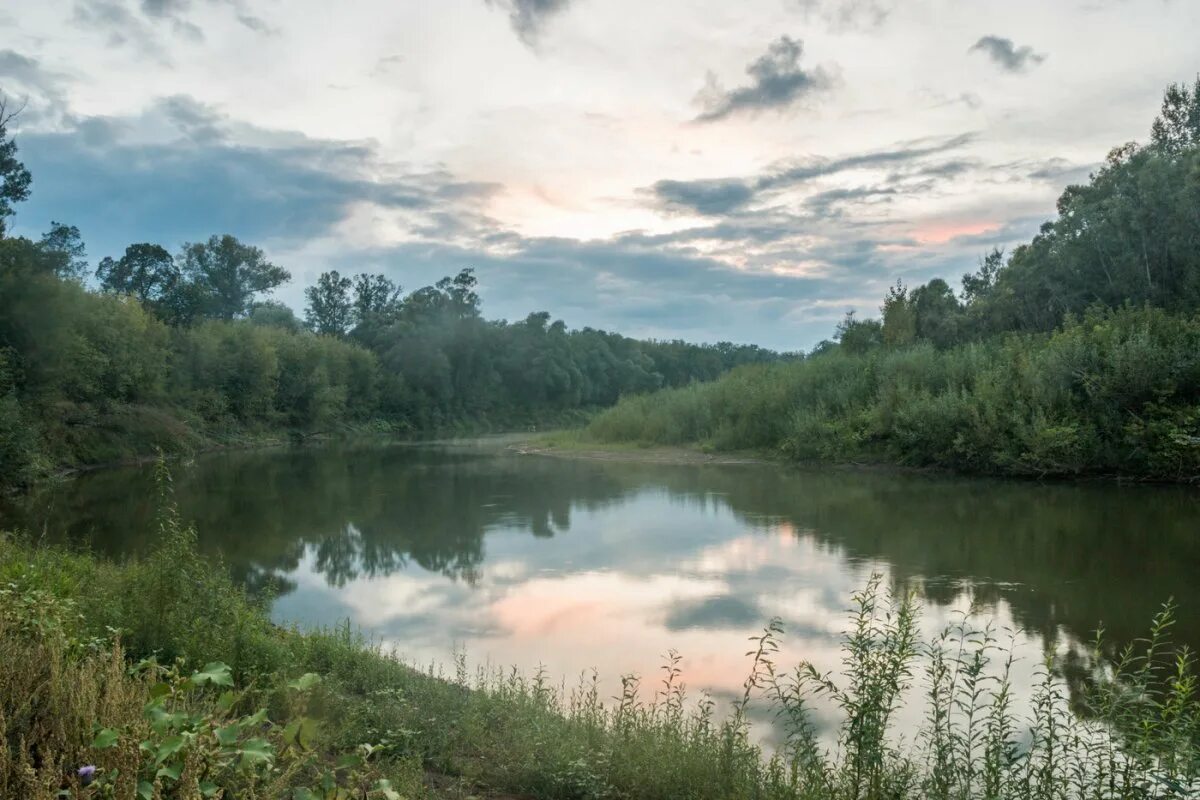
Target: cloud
{"type": "Point", "coordinates": [125, 25]}
{"type": "Point", "coordinates": [1007, 55]}
{"type": "Point", "coordinates": [714, 613]}
{"type": "Point", "coordinates": [529, 16]}
{"type": "Point", "coordinates": [22, 69]}
{"type": "Point", "coordinates": [120, 23]}
{"type": "Point", "coordinates": [197, 121]}
{"type": "Point", "coordinates": [719, 196]}
{"type": "Point", "coordinates": [707, 197]}
{"type": "Point", "coordinates": [842, 15]}
{"type": "Point", "coordinates": [1060, 171]}
{"type": "Point", "coordinates": [256, 24]}
{"type": "Point", "coordinates": [27, 81]}
{"type": "Point", "coordinates": [181, 170]}
{"type": "Point", "coordinates": [777, 81]}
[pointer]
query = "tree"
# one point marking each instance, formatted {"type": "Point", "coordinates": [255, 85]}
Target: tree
{"type": "Point", "coordinates": [858, 335]}
{"type": "Point", "coordinates": [460, 290]}
{"type": "Point", "coordinates": [229, 275]}
{"type": "Point", "coordinates": [14, 177]}
{"type": "Point", "coordinates": [329, 309]}
{"type": "Point", "coordinates": [146, 271]}
{"type": "Point", "coordinates": [977, 285]}
{"type": "Point", "coordinates": [899, 318]}
{"type": "Point", "coordinates": [375, 297]}
{"type": "Point", "coordinates": [273, 314]}
{"type": "Point", "coordinates": [64, 251]}
{"type": "Point", "coordinates": [938, 313]}
{"type": "Point", "coordinates": [1177, 127]}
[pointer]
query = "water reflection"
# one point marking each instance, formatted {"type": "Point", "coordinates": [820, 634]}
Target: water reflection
{"type": "Point", "coordinates": [576, 564]}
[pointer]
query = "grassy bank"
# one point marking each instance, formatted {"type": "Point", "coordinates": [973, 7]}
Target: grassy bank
{"type": "Point", "coordinates": [1110, 393]}
{"type": "Point", "coordinates": [171, 682]}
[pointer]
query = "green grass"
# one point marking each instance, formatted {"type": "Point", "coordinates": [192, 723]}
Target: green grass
{"type": "Point", "coordinates": [75, 632]}
{"type": "Point", "coordinates": [1112, 393]}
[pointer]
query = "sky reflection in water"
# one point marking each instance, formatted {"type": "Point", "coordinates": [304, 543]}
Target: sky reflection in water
{"type": "Point", "coordinates": [574, 565]}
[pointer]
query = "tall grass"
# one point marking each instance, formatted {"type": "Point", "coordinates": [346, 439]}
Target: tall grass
{"type": "Point", "coordinates": [72, 626]}
{"type": "Point", "coordinates": [1113, 392]}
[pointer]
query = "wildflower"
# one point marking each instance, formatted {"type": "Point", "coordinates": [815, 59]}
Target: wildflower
{"type": "Point", "coordinates": [87, 774]}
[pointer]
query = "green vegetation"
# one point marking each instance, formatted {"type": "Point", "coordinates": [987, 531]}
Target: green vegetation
{"type": "Point", "coordinates": [184, 352]}
{"type": "Point", "coordinates": [1079, 355]}
{"type": "Point", "coordinates": [169, 681]}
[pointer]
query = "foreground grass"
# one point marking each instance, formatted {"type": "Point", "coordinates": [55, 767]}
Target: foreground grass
{"type": "Point", "coordinates": [171, 682]}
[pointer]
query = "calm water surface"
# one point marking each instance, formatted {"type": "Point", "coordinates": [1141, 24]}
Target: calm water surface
{"type": "Point", "coordinates": [572, 565]}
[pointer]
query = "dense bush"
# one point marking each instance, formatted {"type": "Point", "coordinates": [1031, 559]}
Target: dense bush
{"type": "Point", "coordinates": [1114, 392]}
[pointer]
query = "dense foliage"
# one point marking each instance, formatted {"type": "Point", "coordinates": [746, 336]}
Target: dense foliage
{"type": "Point", "coordinates": [183, 351]}
{"type": "Point", "coordinates": [1079, 354]}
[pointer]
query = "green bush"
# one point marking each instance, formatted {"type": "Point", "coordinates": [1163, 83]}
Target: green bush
{"type": "Point", "coordinates": [1112, 392]}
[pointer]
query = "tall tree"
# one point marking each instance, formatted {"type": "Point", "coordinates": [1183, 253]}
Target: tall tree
{"type": "Point", "coordinates": [375, 297]}
{"type": "Point", "coordinates": [899, 318]}
{"type": "Point", "coordinates": [460, 291]}
{"type": "Point", "coordinates": [64, 251]}
{"type": "Point", "coordinates": [938, 312]}
{"type": "Point", "coordinates": [14, 178]}
{"type": "Point", "coordinates": [229, 275]}
{"type": "Point", "coordinates": [146, 271]}
{"type": "Point", "coordinates": [329, 310]}
{"type": "Point", "coordinates": [1177, 127]}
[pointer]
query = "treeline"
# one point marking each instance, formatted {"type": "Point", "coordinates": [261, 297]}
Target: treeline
{"type": "Point", "coordinates": [1079, 353]}
{"type": "Point", "coordinates": [181, 351]}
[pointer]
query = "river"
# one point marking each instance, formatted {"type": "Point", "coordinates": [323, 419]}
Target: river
{"type": "Point", "coordinates": [574, 565]}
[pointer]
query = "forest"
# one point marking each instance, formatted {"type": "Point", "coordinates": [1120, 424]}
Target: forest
{"type": "Point", "coordinates": [1076, 354]}
{"type": "Point", "coordinates": [154, 350]}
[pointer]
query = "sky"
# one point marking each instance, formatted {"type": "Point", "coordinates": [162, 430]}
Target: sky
{"type": "Point", "coordinates": [700, 169]}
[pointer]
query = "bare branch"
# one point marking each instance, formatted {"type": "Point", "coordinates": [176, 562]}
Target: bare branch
{"type": "Point", "coordinates": [7, 116]}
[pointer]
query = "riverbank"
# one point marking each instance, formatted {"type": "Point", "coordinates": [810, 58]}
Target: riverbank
{"type": "Point", "coordinates": [576, 445]}
{"type": "Point", "coordinates": [131, 436]}
{"type": "Point", "coordinates": [572, 444]}
{"type": "Point", "coordinates": [1109, 395]}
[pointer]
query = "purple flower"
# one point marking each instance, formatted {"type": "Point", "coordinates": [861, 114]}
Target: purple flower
{"type": "Point", "coordinates": [87, 774]}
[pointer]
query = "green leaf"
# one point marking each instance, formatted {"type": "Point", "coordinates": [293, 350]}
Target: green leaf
{"type": "Point", "coordinates": [209, 789]}
{"type": "Point", "coordinates": [216, 673]}
{"type": "Point", "coordinates": [226, 701]}
{"type": "Point", "coordinates": [257, 718]}
{"type": "Point", "coordinates": [305, 794]}
{"type": "Point", "coordinates": [256, 751]}
{"type": "Point", "coordinates": [305, 682]}
{"type": "Point", "coordinates": [160, 690]}
{"type": "Point", "coordinates": [145, 790]}
{"type": "Point", "coordinates": [301, 731]}
{"type": "Point", "coordinates": [348, 760]}
{"type": "Point", "coordinates": [170, 746]}
{"type": "Point", "coordinates": [172, 771]}
{"type": "Point", "coordinates": [107, 737]}
{"type": "Point", "coordinates": [228, 736]}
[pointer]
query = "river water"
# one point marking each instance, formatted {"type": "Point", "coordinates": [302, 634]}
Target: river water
{"type": "Point", "coordinates": [575, 565]}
